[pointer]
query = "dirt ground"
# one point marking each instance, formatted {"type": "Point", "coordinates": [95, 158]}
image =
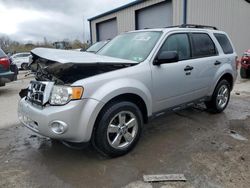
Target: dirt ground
{"type": "Point", "coordinates": [210, 150]}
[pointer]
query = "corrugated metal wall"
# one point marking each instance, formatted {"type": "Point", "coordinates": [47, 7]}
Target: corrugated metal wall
{"type": "Point", "coordinates": [231, 16]}
{"type": "Point", "coordinates": [126, 17]}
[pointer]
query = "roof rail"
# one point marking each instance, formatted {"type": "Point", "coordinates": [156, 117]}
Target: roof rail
{"type": "Point", "coordinates": [193, 26]}
{"type": "Point", "coordinates": [198, 26]}
{"type": "Point", "coordinates": [173, 26]}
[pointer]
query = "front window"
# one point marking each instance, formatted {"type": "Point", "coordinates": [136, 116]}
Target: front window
{"type": "Point", "coordinates": [132, 46]}
{"type": "Point", "coordinates": [178, 43]}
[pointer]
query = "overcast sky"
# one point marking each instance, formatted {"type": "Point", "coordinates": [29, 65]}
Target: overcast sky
{"type": "Point", "coordinates": [32, 20]}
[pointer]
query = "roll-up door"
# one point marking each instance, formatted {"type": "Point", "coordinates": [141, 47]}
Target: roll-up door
{"type": "Point", "coordinates": [156, 16]}
{"type": "Point", "coordinates": [107, 30]}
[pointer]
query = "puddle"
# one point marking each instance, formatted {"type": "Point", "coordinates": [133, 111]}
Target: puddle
{"type": "Point", "coordinates": [237, 136]}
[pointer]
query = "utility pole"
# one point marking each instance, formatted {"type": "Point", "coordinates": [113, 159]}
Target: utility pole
{"type": "Point", "coordinates": [83, 30]}
{"type": "Point", "coordinates": [185, 11]}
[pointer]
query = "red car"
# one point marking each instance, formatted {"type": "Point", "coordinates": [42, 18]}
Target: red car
{"type": "Point", "coordinates": [8, 71]}
{"type": "Point", "coordinates": [245, 65]}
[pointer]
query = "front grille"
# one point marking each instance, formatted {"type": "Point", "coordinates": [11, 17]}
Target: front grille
{"type": "Point", "coordinates": [36, 92]}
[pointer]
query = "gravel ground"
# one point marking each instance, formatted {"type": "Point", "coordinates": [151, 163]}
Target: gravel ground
{"type": "Point", "coordinates": [207, 148]}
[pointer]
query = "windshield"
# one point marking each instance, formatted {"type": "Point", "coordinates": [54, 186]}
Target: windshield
{"type": "Point", "coordinates": [132, 46]}
{"type": "Point", "coordinates": [96, 47]}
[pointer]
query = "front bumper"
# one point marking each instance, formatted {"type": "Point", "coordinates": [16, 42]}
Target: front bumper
{"type": "Point", "coordinates": [79, 115]}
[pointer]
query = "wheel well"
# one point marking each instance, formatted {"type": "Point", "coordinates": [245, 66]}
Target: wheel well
{"type": "Point", "coordinates": [229, 78]}
{"type": "Point", "coordinates": [137, 100]}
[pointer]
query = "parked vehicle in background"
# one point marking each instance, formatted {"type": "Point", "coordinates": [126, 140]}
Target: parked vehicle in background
{"type": "Point", "coordinates": [97, 46]}
{"type": "Point", "coordinates": [8, 71]}
{"type": "Point", "coordinates": [245, 65]}
{"type": "Point", "coordinates": [14, 69]}
{"type": "Point", "coordinates": [106, 97]}
{"type": "Point", "coordinates": [21, 60]}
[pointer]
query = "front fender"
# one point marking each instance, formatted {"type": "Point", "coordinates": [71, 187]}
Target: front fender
{"type": "Point", "coordinates": [118, 87]}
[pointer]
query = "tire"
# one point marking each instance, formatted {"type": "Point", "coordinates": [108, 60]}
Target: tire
{"type": "Point", "coordinates": [113, 136]}
{"type": "Point", "coordinates": [220, 97]}
{"type": "Point", "coordinates": [243, 73]}
{"type": "Point", "coordinates": [24, 66]}
{"type": "Point", "coordinates": [76, 146]}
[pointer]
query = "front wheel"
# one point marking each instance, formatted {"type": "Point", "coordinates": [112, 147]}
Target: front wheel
{"type": "Point", "coordinates": [24, 66]}
{"type": "Point", "coordinates": [118, 129]}
{"type": "Point", "coordinates": [220, 98]}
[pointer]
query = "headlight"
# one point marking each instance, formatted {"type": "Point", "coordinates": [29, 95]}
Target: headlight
{"type": "Point", "coordinates": [61, 95]}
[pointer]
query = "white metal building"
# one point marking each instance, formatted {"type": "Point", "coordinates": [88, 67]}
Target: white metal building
{"type": "Point", "coordinates": [232, 16]}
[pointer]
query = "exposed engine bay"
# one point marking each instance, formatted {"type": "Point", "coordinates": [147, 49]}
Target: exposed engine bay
{"type": "Point", "coordinates": [66, 67]}
{"type": "Point", "coordinates": [68, 73]}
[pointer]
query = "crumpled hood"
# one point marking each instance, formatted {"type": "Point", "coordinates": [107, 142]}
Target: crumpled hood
{"type": "Point", "coordinates": [66, 66]}
{"type": "Point", "coordinates": [75, 57]}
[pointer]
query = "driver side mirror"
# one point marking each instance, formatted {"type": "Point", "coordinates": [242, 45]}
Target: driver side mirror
{"type": "Point", "coordinates": [166, 57]}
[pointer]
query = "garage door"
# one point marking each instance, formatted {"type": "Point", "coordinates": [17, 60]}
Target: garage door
{"type": "Point", "coordinates": [160, 15]}
{"type": "Point", "coordinates": [106, 30]}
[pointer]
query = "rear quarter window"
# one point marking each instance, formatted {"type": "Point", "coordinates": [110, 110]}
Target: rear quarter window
{"type": "Point", "coordinates": [224, 43]}
{"type": "Point", "coordinates": [202, 45]}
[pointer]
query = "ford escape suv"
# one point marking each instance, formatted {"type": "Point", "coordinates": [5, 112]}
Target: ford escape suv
{"type": "Point", "coordinates": [106, 97]}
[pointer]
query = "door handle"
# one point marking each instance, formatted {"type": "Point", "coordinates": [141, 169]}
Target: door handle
{"type": "Point", "coordinates": [188, 68]}
{"type": "Point", "coordinates": [217, 63]}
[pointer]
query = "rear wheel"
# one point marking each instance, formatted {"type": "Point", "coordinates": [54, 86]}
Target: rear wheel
{"type": "Point", "coordinates": [220, 98]}
{"type": "Point", "coordinates": [118, 129]}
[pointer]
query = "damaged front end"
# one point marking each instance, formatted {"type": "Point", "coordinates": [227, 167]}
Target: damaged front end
{"type": "Point", "coordinates": [64, 67]}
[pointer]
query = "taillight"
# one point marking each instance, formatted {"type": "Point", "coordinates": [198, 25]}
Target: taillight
{"type": "Point", "coordinates": [5, 63]}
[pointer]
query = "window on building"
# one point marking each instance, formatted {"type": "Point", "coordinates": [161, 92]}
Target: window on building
{"type": "Point", "coordinates": [180, 44]}
{"type": "Point", "coordinates": [202, 45]}
{"type": "Point", "coordinates": [224, 42]}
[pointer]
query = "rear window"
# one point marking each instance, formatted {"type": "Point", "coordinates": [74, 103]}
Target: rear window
{"type": "Point", "coordinates": [2, 54]}
{"type": "Point", "coordinates": [224, 42]}
{"type": "Point", "coordinates": [203, 46]}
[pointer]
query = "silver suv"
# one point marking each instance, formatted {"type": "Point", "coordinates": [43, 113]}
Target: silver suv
{"type": "Point", "coordinates": [106, 97]}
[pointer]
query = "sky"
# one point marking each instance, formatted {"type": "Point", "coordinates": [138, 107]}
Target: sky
{"type": "Point", "coordinates": [55, 20]}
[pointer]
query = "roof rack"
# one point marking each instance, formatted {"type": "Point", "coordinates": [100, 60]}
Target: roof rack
{"type": "Point", "coordinates": [194, 26]}
{"type": "Point", "coordinates": [198, 26]}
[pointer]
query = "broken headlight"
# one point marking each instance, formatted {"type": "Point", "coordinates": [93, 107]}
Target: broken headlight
{"type": "Point", "coordinates": [61, 95]}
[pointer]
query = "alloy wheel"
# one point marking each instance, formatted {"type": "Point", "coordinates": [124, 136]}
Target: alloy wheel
{"type": "Point", "coordinates": [222, 97]}
{"type": "Point", "coordinates": [122, 130]}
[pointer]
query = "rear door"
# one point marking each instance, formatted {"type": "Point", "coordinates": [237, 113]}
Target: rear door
{"type": "Point", "coordinates": [228, 55]}
{"type": "Point", "coordinates": [204, 60]}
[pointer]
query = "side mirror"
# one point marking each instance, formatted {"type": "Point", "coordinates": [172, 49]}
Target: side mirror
{"type": "Point", "coordinates": [166, 57]}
